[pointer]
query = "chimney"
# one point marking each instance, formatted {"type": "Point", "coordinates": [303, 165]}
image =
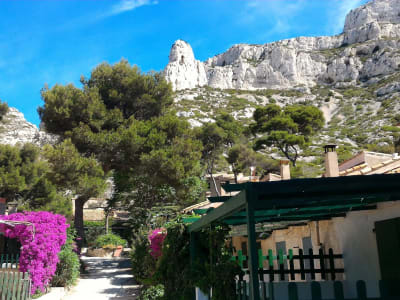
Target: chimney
{"type": "Point", "coordinates": [285, 169]}
{"type": "Point", "coordinates": [331, 161]}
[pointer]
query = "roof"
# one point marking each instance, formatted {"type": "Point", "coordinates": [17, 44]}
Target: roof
{"type": "Point", "coordinates": [301, 199]}
{"type": "Point", "coordinates": [390, 165]}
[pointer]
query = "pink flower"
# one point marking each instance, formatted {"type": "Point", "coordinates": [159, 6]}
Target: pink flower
{"type": "Point", "coordinates": [40, 243]}
{"type": "Point", "coordinates": [156, 239]}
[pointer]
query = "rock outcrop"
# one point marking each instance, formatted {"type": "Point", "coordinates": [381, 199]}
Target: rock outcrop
{"type": "Point", "coordinates": [368, 47]}
{"type": "Point", "coordinates": [183, 70]}
{"type": "Point", "coordinates": [15, 129]}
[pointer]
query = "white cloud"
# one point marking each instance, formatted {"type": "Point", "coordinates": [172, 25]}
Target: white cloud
{"type": "Point", "coordinates": [339, 14]}
{"type": "Point", "coordinates": [127, 5]}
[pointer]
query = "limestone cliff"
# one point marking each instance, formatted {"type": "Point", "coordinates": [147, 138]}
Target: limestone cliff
{"type": "Point", "coordinates": [15, 129]}
{"type": "Point", "coordinates": [367, 48]}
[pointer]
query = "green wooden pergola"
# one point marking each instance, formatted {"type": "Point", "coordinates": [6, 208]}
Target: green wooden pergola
{"type": "Point", "coordinates": [294, 200]}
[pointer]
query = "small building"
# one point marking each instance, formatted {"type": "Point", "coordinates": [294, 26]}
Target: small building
{"type": "Point", "coordinates": [346, 226]}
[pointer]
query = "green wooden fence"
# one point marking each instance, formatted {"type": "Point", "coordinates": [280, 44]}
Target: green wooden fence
{"type": "Point", "coordinates": [267, 291]}
{"type": "Point", "coordinates": [9, 261]}
{"type": "Point", "coordinates": [14, 285]}
{"type": "Point", "coordinates": [287, 266]}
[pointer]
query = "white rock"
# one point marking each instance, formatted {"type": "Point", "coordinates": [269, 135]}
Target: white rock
{"type": "Point", "coordinates": [183, 70]}
{"type": "Point", "coordinates": [15, 129]}
{"type": "Point", "coordinates": [302, 61]}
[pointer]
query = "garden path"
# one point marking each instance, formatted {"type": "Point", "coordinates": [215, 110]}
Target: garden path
{"type": "Point", "coordinates": [106, 278]}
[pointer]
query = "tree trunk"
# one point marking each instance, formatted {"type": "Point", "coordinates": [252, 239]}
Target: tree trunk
{"type": "Point", "coordinates": [78, 221]}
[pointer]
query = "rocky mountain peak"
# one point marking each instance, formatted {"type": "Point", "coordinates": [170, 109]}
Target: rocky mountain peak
{"type": "Point", "coordinates": [181, 52]}
{"type": "Point", "coordinates": [183, 70]}
{"type": "Point", "coordinates": [376, 11]}
{"type": "Point", "coordinates": [14, 128]}
{"type": "Point", "coordinates": [367, 48]}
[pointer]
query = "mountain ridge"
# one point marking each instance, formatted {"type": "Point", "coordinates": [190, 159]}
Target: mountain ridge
{"type": "Point", "coordinates": [297, 61]}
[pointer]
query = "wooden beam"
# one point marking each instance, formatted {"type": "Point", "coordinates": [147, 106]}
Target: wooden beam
{"type": "Point", "coordinates": [231, 206]}
{"type": "Point", "coordinates": [253, 251]}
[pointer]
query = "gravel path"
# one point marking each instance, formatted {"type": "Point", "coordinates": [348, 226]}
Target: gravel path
{"type": "Point", "coordinates": [106, 278]}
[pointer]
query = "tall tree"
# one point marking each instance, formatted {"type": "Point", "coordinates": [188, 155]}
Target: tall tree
{"type": "Point", "coordinates": [288, 129]}
{"type": "Point", "coordinates": [121, 116]}
{"type": "Point", "coordinates": [213, 139]}
{"type": "Point", "coordinates": [242, 157]}
{"type": "Point", "coordinates": [81, 175]}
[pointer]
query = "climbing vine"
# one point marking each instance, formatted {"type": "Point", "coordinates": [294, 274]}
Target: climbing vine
{"type": "Point", "coordinates": [41, 241]}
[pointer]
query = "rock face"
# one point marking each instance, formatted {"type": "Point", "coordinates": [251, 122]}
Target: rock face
{"type": "Point", "coordinates": [368, 47]}
{"type": "Point", "coordinates": [183, 70]}
{"type": "Point", "coordinates": [15, 129]}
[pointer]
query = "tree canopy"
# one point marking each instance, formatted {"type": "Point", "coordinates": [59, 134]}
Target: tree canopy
{"type": "Point", "coordinates": [83, 176]}
{"type": "Point", "coordinates": [122, 117]}
{"type": "Point", "coordinates": [24, 178]}
{"type": "Point", "coordinates": [287, 129]}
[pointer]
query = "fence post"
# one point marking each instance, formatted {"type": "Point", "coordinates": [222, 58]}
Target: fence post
{"type": "Point", "coordinates": [251, 198]}
{"type": "Point", "coordinates": [292, 290]}
{"type": "Point", "coordinates": [316, 291]}
{"type": "Point", "coordinates": [301, 258]}
{"type": "Point", "coordinates": [361, 290]}
{"type": "Point", "coordinates": [338, 290]}
{"type": "Point", "coordinates": [312, 269]}
{"type": "Point", "coordinates": [322, 263]}
{"type": "Point", "coordinates": [271, 265]}
{"type": "Point", "coordinates": [332, 264]}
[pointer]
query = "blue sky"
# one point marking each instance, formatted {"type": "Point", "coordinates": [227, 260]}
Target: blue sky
{"type": "Point", "coordinates": [57, 41]}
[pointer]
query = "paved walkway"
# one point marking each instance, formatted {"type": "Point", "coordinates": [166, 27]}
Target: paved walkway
{"type": "Point", "coordinates": [106, 278]}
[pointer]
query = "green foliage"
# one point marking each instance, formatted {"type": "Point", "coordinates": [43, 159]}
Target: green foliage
{"type": "Point", "coordinates": [120, 116]}
{"type": "Point", "coordinates": [212, 269]}
{"type": "Point", "coordinates": [3, 109]}
{"type": "Point", "coordinates": [143, 264]}
{"type": "Point", "coordinates": [241, 158]}
{"type": "Point", "coordinates": [109, 241]}
{"type": "Point", "coordinates": [286, 129]}
{"type": "Point", "coordinates": [70, 170]}
{"type": "Point", "coordinates": [24, 177]}
{"type": "Point", "coordinates": [68, 267]}
{"type": "Point", "coordinates": [152, 293]}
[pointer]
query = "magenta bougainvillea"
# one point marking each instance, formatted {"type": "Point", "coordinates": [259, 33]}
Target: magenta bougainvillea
{"type": "Point", "coordinates": [40, 243]}
{"type": "Point", "coordinates": [156, 238]}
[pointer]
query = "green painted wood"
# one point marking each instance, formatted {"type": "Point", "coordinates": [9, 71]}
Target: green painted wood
{"type": "Point", "coordinates": [230, 207]}
{"type": "Point", "coordinates": [270, 258]}
{"type": "Point", "coordinates": [1, 282]}
{"type": "Point", "coordinates": [241, 258]}
{"type": "Point", "coordinates": [338, 290]}
{"type": "Point", "coordinates": [388, 241]}
{"type": "Point", "coordinates": [261, 259]}
{"type": "Point", "coordinates": [361, 290]}
{"type": "Point", "coordinates": [20, 279]}
{"type": "Point", "coordinates": [252, 240]}
{"type": "Point", "coordinates": [219, 199]}
{"type": "Point", "coordinates": [312, 269]}
{"type": "Point", "coordinates": [322, 263]}
{"type": "Point", "coordinates": [292, 291]}
{"type": "Point", "coordinates": [316, 293]}
{"type": "Point", "coordinates": [15, 285]}
{"type": "Point", "coordinates": [25, 287]}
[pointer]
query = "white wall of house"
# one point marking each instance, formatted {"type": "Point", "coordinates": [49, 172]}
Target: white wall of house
{"type": "Point", "coordinates": [356, 235]}
{"type": "Point", "coordinates": [353, 236]}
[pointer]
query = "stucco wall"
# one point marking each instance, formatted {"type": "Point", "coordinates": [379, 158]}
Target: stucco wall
{"type": "Point", "coordinates": [353, 236]}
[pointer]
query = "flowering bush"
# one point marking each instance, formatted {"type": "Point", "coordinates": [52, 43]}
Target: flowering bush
{"type": "Point", "coordinates": [156, 239]}
{"type": "Point", "coordinates": [40, 243]}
